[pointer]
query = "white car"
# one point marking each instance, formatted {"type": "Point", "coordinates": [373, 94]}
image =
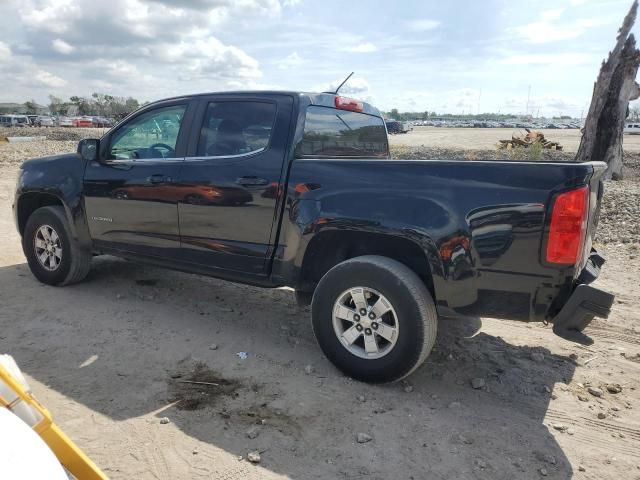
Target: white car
{"type": "Point", "coordinates": [65, 122]}
{"type": "Point", "coordinates": [44, 121]}
{"type": "Point", "coordinates": [632, 128]}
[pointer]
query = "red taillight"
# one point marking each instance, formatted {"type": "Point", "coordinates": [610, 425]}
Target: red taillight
{"type": "Point", "coordinates": [344, 103]}
{"type": "Point", "coordinates": [568, 227]}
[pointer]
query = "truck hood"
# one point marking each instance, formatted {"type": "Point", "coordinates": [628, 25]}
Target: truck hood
{"type": "Point", "coordinates": [53, 161]}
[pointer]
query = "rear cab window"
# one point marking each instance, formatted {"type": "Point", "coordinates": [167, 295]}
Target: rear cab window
{"type": "Point", "coordinates": [334, 133]}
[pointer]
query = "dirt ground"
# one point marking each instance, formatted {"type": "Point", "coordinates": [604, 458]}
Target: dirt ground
{"type": "Point", "coordinates": [109, 356]}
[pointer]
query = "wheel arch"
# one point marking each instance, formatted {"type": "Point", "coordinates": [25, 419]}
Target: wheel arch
{"type": "Point", "coordinates": [31, 201]}
{"type": "Point", "coordinates": [331, 247]}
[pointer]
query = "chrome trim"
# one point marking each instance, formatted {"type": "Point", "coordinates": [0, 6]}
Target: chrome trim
{"type": "Point", "coordinates": [133, 161]}
{"type": "Point", "coordinates": [215, 157]}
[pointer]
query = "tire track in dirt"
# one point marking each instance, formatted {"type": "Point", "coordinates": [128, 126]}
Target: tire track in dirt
{"type": "Point", "coordinates": [590, 432]}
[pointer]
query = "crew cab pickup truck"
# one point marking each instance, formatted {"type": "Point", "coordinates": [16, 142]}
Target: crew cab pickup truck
{"type": "Point", "coordinates": [296, 189]}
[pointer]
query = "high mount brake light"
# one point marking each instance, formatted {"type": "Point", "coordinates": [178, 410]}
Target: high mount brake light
{"type": "Point", "coordinates": [568, 227]}
{"type": "Point", "coordinates": [344, 103]}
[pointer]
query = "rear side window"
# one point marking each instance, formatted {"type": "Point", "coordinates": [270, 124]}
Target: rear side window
{"type": "Point", "coordinates": [329, 132]}
{"type": "Point", "coordinates": [236, 128]}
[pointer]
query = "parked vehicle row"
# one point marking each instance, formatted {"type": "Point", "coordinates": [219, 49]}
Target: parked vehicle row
{"type": "Point", "coordinates": [50, 121]}
{"type": "Point", "coordinates": [493, 124]}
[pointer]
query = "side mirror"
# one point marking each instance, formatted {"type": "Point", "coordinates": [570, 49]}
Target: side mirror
{"type": "Point", "coordinates": [88, 149]}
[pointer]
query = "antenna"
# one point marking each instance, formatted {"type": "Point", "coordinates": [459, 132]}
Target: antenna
{"type": "Point", "coordinates": [343, 82]}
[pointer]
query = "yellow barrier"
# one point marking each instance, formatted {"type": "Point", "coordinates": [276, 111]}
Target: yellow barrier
{"type": "Point", "coordinates": [15, 397]}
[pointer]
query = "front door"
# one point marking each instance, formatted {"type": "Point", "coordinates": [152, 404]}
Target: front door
{"type": "Point", "coordinates": [130, 195]}
{"type": "Point", "coordinates": [231, 181]}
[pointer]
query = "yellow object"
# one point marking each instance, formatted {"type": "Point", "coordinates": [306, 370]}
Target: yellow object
{"type": "Point", "coordinates": [15, 396]}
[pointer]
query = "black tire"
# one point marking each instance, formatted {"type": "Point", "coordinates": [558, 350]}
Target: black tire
{"type": "Point", "coordinates": [75, 261]}
{"type": "Point", "coordinates": [413, 305]}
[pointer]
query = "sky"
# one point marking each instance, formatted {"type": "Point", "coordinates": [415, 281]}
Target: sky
{"type": "Point", "coordinates": [456, 57]}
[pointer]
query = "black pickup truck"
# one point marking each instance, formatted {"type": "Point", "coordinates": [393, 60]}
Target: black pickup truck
{"type": "Point", "coordinates": [295, 189]}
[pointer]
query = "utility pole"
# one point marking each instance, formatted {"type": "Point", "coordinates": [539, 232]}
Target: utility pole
{"type": "Point", "coordinates": [528, 97]}
{"type": "Point", "coordinates": [479, 97]}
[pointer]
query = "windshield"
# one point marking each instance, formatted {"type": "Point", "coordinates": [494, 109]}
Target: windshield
{"type": "Point", "coordinates": [330, 132]}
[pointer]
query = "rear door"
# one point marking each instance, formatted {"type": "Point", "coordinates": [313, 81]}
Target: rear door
{"type": "Point", "coordinates": [231, 180]}
{"type": "Point", "coordinates": [130, 195]}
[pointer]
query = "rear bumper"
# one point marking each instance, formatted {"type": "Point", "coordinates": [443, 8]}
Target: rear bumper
{"type": "Point", "coordinates": [585, 302]}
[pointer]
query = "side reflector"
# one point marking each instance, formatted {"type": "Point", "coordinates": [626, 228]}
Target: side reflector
{"type": "Point", "coordinates": [344, 103]}
{"type": "Point", "coordinates": [568, 227]}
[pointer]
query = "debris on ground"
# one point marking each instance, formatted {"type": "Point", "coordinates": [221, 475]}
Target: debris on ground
{"type": "Point", "coordinates": [254, 457]}
{"type": "Point", "coordinates": [242, 355]}
{"type": "Point", "coordinates": [363, 438]}
{"type": "Point", "coordinates": [477, 383]}
{"type": "Point", "coordinates": [532, 137]}
{"type": "Point", "coordinates": [595, 391]}
{"type": "Point", "coordinates": [164, 421]}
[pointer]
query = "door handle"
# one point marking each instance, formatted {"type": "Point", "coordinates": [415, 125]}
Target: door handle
{"type": "Point", "coordinates": [251, 180]}
{"type": "Point", "coordinates": [155, 179]}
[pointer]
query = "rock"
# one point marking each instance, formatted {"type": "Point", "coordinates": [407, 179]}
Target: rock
{"type": "Point", "coordinates": [363, 438]}
{"type": "Point", "coordinates": [119, 296]}
{"type": "Point", "coordinates": [213, 346]}
{"type": "Point", "coordinates": [361, 398]}
{"type": "Point", "coordinates": [583, 398]}
{"type": "Point", "coordinates": [581, 468]}
{"type": "Point", "coordinates": [455, 405]}
{"type": "Point", "coordinates": [602, 415]}
{"type": "Point", "coordinates": [614, 388]}
{"type": "Point", "coordinates": [253, 432]}
{"type": "Point", "coordinates": [309, 369]}
{"type": "Point", "coordinates": [546, 388]}
{"type": "Point", "coordinates": [481, 464]}
{"type": "Point", "coordinates": [478, 383]}
{"type": "Point", "coordinates": [560, 427]}
{"type": "Point", "coordinates": [615, 408]}
{"type": "Point", "coordinates": [537, 357]}
{"type": "Point", "coordinates": [253, 457]}
{"type": "Point", "coordinates": [465, 440]}
{"type": "Point", "coordinates": [408, 388]}
{"type": "Point", "coordinates": [595, 391]}
{"type": "Point", "coordinates": [164, 421]}
{"type": "Point", "coordinates": [543, 472]}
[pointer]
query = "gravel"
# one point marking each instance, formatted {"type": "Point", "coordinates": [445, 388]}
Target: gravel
{"type": "Point", "coordinates": [54, 133]}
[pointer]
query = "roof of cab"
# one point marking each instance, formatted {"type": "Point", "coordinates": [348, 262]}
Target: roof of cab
{"type": "Point", "coordinates": [321, 99]}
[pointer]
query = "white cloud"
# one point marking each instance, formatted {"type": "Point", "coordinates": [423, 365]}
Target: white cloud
{"type": "Point", "coordinates": [61, 46]}
{"type": "Point", "coordinates": [422, 25]}
{"type": "Point", "coordinates": [549, 29]}
{"type": "Point", "coordinates": [47, 79]}
{"type": "Point", "coordinates": [556, 59]}
{"type": "Point", "coordinates": [366, 47]}
{"type": "Point", "coordinates": [290, 61]}
{"type": "Point", "coordinates": [5, 52]}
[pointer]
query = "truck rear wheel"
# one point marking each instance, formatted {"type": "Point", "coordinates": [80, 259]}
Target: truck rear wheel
{"type": "Point", "coordinates": [53, 255]}
{"type": "Point", "coordinates": [374, 318]}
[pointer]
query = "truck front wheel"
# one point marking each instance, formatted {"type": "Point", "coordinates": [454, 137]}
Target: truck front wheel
{"type": "Point", "coordinates": [53, 255]}
{"type": "Point", "coordinates": [374, 318]}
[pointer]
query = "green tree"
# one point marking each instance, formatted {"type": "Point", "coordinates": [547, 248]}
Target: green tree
{"type": "Point", "coordinates": [394, 114]}
{"type": "Point", "coordinates": [55, 105]}
{"type": "Point", "coordinates": [31, 106]}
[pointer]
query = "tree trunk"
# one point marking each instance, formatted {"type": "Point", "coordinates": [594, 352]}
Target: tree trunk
{"type": "Point", "coordinates": [614, 88]}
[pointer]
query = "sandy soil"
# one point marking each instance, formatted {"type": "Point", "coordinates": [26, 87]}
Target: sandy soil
{"type": "Point", "coordinates": [107, 357]}
{"type": "Point", "coordinates": [487, 138]}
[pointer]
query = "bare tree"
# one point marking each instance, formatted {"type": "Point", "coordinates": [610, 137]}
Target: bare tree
{"type": "Point", "coordinates": [614, 88]}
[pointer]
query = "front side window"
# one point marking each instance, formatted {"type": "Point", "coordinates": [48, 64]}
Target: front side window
{"type": "Point", "coordinates": [236, 128]}
{"type": "Point", "coordinates": [329, 133]}
{"type": "Point", "coordinates": [153, 134]}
